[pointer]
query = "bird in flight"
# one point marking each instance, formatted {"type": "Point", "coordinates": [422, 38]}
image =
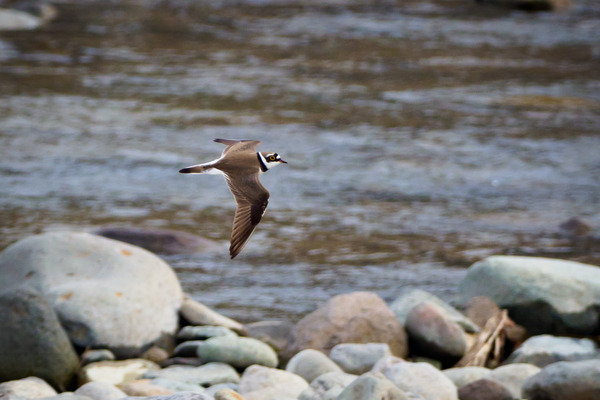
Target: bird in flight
{"type": "Point", "coordinates": [241, 165]}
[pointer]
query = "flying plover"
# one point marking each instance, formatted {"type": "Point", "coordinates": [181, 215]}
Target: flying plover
{"type": "Point", "coordinates": [241, 165]}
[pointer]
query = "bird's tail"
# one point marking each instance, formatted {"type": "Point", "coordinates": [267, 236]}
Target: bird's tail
{"type": "Point", "coordinates": [206, 168]}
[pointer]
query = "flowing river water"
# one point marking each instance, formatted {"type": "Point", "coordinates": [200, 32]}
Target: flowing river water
{"type": "Point", "coordinates": [421, 136]}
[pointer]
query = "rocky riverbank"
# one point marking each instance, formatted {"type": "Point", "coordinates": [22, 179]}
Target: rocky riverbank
{"type": "Point", "coordinates": [89, 318]}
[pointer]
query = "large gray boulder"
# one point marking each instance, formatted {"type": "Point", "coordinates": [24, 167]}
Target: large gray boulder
{"type": "Point", "coordinates": [32, 341]}
{"type": "Point", "coordinates": [544, 295]}
{"type": "Point", "coordinates": [106, 293]}
{"type": "Point", "coordinates": [565, 380]}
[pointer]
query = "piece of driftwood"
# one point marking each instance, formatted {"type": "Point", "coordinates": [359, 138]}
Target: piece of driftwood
{"type": "Point", "coordinates": [488, 348]}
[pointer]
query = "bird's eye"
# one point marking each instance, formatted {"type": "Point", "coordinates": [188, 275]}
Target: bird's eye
{"type": "Point", "coordinates": [272, 158]}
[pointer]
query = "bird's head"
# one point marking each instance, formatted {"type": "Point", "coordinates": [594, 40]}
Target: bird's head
{"type": "Point", "coordinates": [272, 159]}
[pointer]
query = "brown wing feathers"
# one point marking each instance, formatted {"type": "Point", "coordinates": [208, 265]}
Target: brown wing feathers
{"type": "Point", "coordinates": [251, 205]}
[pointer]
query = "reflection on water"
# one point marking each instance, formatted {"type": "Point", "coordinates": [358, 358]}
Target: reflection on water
{"type": "Point", "coordinates": [420, 137]}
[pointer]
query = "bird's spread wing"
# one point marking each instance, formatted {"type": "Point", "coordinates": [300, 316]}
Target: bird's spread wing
{"type": "Point", "coordinates": [252, 199]}
{"type": "Point", "coordinates": [238, 145]}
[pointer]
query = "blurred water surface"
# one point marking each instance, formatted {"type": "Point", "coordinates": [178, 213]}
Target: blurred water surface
{"type": "Point", "coordinates": [420, 135]}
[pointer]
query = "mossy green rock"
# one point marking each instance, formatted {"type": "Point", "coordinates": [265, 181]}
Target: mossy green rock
{"type": "Point", "coordinates": [239, 352]}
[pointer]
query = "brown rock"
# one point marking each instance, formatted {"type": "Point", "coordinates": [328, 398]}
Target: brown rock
{"type": "Point", "coordinates": [358, 317]}
{"type": "Point", "coordinates": [484, 389]}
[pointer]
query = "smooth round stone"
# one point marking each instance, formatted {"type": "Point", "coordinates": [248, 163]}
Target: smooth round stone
{"type": "Point", "coordinates": [29, 388]}
{"type": "Point", "coordinates": [358, 358]}
{"type": "Point", "coordinates": [465, 375]}
{"type": "Point", "coordinates": [66, 396]}
{"type": "Point", "coordinates": [565, 380]}
{"type": "Point", "coordinates": [484, 389]}
{"type": "Point", "coordinates": [260, 383]}
{"type": "Point", "coordinates": [545, 349]}
{"type": "Point", "coordinates": [512, 376]}
{"type": "Point", "coordinates": [204, 375]}
{"type": "Point", "coordinates": [371, 386]}
{"type": "Point", "coordinates": [192, 332]}
{"type": "Point", "coordinates": [116, 372]}
{"type": "Point", "coordinates": [327, 386]}
{"type": "Point", "coordinates": [100, 391]}
{"type": "Point", "coordinates": [240, 352]}
{"type": "Point", "coordinates": [422, 379]}
{"type": "Point", "coordinates": [310, 364]}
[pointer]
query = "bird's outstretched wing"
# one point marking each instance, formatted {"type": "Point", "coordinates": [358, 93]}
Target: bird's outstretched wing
{"type": "Point", "coordinates": [238, 145]}
{"type": "Point", "coordinates": [252, 199]}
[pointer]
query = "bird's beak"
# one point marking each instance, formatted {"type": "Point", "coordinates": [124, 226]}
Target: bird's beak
{"type": "Point", "coordinates": [283, 162]}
